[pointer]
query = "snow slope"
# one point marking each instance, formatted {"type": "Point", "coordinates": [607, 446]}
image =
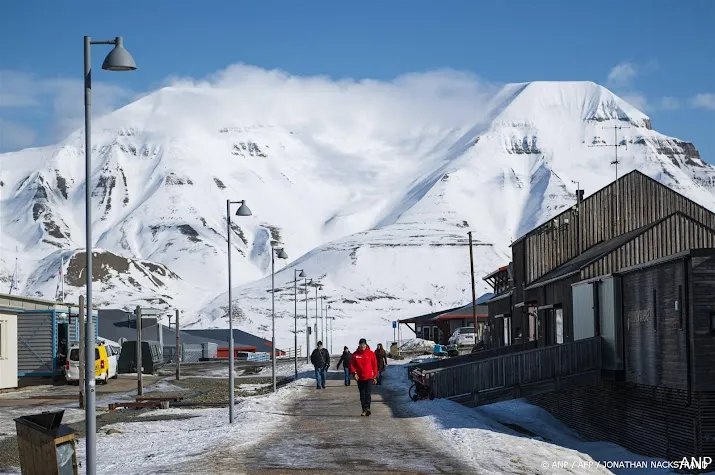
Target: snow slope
{"type": "Point", "coordinates": [371, 188]}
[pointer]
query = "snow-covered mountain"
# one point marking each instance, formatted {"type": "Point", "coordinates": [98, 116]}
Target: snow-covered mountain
{"type": "Point", "coordinates": [372, 197]}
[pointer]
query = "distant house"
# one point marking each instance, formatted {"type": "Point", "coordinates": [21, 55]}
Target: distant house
{"type": "Point", "coordinates": [439, 326]}
{"type": "Point", "coordinates": [33, 334]}
{"type": "Point", "coordinates": [242, 341]}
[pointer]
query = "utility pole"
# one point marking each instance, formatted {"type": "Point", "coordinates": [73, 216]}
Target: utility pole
{"type": "Point", "coordinates": [615, 145]}
{"type": "Point", "coordinates": [178, 347]}
{"type": "Point", "coordinates": [138, 315]}
{"type": "Point", "coordinates": [474, 290]}
{"type": "Point", "coordinates": [81, 351]}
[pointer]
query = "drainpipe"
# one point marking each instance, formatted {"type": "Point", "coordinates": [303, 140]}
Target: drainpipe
{"type": "Point", "coordinates": [686, 308]}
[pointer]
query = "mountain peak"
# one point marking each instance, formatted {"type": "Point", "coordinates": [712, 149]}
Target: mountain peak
{"type": "Point", "coordinates": [569, 100]}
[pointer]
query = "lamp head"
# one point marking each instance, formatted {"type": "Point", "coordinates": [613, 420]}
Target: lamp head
{"type": "Point", "coordinates": [302, 274]}
{"type": "Point", "coordinates": [281, 253]}
{"type": "Point", "coordinates": [243, 210]}
{"type": "Point", "coordinates": [119, 59]}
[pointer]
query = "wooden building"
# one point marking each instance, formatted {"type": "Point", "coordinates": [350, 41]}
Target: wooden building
{"type": "Point", "coordinates": [439, 326]}
{"type": "Point", "coordinates": [633, 264]}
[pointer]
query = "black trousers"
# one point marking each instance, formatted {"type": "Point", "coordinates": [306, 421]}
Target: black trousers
{"type": "Point", "coordinates": [365, 388]}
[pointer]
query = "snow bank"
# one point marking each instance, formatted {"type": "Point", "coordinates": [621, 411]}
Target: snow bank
{"type": "Point", "coordinates": [418, 344]}
{"type": "Point", "coordinates": [482, 438]}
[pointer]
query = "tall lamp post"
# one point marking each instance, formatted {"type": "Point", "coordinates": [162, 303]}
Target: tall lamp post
{"type": "Point", "coordinates": [281, 255]}
{"type": "Point", "coordinates": [118, 59]}
{"type": "Point", "coordinates": [243, 210]}
{"type": "Point", "coordinates": [295, 318]}
{"type": "Point", "coordinates": [317, 285]}
{"type": "Point", "coordinates": [307, 323]}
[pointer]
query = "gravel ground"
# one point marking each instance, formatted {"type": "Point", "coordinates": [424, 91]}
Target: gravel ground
{"type": "Point", "coordinates": [215, 390]}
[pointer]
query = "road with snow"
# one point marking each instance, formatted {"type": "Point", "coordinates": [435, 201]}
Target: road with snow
{"type": "Point", "coordinates": [325, 433]}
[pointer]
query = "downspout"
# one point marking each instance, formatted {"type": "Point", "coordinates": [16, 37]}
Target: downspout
{"type": "Point", "coordinates": [54, 341]}
{"type": "Point", "coordinates": [686, 308]}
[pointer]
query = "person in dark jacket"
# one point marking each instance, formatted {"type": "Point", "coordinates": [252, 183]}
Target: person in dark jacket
{"type": "Point", "coordinates": [381, 356]}
{"type": "Point", "coordinates": [345, 360]}
{"type": "Point", "coordinates": [321, 361]}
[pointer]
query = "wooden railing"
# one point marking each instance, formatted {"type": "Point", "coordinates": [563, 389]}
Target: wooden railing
{"type": "Point", "coordinates": [472, 357]}
{"type": "Point", "coordinates": [515, 371]}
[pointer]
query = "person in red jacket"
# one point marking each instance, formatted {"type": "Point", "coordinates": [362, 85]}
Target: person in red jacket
{"type": "Point", "coordinates": [363, 366]}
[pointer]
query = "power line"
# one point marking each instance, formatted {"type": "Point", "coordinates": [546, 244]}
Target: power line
{"type": "Point", "coordinates": [615, 162]}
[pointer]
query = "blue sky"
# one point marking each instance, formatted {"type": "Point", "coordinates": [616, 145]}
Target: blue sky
{"type": "Point", "coordinates": [657, 54]}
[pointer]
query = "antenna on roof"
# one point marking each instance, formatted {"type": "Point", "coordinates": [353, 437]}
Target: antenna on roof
{"type": "Point", "coordinates": [13, 281]}
{"type": "Point", "coordinates": [615, 162]}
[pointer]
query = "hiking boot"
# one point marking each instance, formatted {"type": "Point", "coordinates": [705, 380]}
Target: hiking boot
{"type": "Point", "coordinates": [367, 413]}
{"type": "Point", "coordinates": [364, 412]}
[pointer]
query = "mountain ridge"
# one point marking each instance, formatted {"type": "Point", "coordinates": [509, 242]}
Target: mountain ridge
{"type": "Point", "coordinates": [363, 198]}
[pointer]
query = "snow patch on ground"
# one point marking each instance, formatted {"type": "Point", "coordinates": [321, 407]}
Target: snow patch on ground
{"type": "Point", "coordinates": [482, 438]}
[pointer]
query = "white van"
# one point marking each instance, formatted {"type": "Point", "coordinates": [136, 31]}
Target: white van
{"type": "Point", "coordinates": [101, 351]}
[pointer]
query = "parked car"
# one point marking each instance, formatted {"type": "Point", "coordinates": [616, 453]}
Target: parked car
{"type": "Point", "coordinates": [463, 336]}
{"type": "Point", "coordinates": [105, 363]}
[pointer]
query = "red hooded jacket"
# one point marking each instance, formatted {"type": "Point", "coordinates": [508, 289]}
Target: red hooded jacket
{"type": "Point", "coordinates": [364, 363]}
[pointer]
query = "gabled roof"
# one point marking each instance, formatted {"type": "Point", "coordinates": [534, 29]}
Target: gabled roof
{"type": "Point", "coordinates": [240, 337]}
{"type": "Point", "coordinates": [596, 252]}
{"type": "Point", "coordinates": [621, 178]}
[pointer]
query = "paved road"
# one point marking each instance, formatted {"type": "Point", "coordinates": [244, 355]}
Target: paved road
{"type": "Point", "coordinates": [326, 434]}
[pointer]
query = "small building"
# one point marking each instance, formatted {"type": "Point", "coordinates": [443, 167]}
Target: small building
{"type": "Point", "coordinates": [33, 332]}
{"type": "Point", "coordinates": [242, 341]}
{"type": "Point", "coordinates": [439, 326]}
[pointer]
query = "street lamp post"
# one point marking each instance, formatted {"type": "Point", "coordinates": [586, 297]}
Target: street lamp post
{"type": "Point", "coordinates": [243, 210]}
{"type": "Point", "coordinates": [281, 255]}
{"type": "Point", "coordinates": [118, 59]}
{"type": "Point", "coordinates": [307, 324]}
{"type": "Point", "coordinates": [317, 284]}
{"type": "Point", "coordinates": [295, 319]}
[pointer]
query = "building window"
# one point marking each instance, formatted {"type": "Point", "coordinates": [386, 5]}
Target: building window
{"type": "Point", "coordinates": [559, 312]}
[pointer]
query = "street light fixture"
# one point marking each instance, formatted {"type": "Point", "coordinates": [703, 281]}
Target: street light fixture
{"type": "Point", "coordinates": [242, 211]}
{"type": "Point", "coordinates": [118, 59]}
{"type": "Point", "coordinates": [281, 254]}
{"type": "Point", "coordinates": [295, 318]}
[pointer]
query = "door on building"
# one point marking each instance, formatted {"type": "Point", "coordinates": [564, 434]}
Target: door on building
{"type": "Point", "coordinates": [532, 318]}
{"type": "Point", "coordinates": [63, 337]}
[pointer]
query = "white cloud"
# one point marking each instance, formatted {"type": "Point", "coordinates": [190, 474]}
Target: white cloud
{"type": "Point", "coordinates": [14, 136]}
{"type": "Point", "coordinates": [622, 74]}
{"type": "Point", "coordinates": [637, 100]}
{"type": "Point", "coordinates": [704, 101]}
{"type": "Point", "coordinates": [669, 103]}
{"type": "Point", "coordinates": [61, 99]}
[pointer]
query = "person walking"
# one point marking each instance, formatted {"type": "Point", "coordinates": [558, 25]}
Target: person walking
{"type": "Point", "coordinates": [345, 360]}
{"type": "Point", "coordinates": [321, 361]}
{"type": "Point", "coordinates": [381, 356]}
{"type": "Point", "coordinates": [363, 365]}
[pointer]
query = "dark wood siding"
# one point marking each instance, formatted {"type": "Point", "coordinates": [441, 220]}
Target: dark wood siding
{"type": "Point", "coordinates": [655, 339]}
{"type": "Point", "coordinates": [642, 201]}
{"type": "Point", "coordinates": [702, 303]}
{"type": "Point", "coordinates": [519, 271]}
{"type": "Point", "coordinates": [657, 422]}
{"type": "Point", "coordinates": [677, 233]}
